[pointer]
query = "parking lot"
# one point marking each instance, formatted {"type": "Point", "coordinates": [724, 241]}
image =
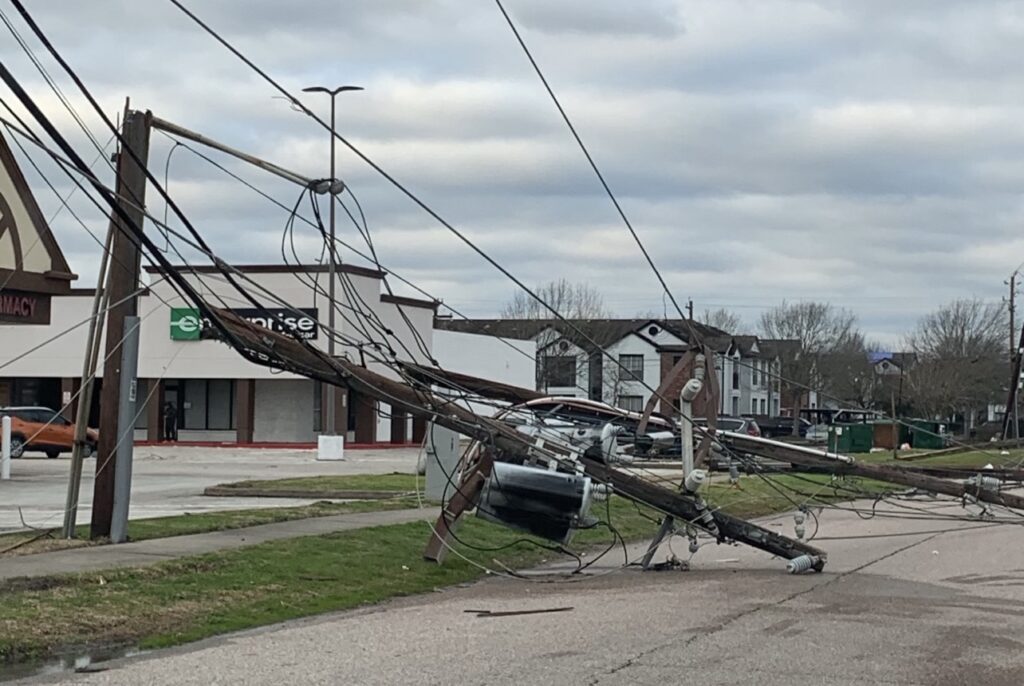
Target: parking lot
{"type": "Point", "coordinates": [169, 480]}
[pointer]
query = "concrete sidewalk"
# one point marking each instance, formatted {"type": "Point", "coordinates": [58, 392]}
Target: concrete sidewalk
{"type": "Point", "coordinates": [162, 549]}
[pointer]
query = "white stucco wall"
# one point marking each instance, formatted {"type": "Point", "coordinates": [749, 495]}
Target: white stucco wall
{"type": "Point", "coordinates": [508, 361]}
{"type": "Point", "coordinates": [615, 382]}
{"type": "Point", "coordinates": [162, 357]}
{"type": "Point", "coordinates": [488, 357]}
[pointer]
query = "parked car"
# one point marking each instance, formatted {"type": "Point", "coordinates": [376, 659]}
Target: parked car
{"type": "Point", "coordinates": [781, 427]}
{"type": "Point", "coordinates": [817, 433]}
{"type": "Point", "coordinates": [46, 431]}
{"type": "Point", "coordinates": [739, 425]}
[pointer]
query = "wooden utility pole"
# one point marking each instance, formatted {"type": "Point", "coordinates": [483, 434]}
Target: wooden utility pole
{"type": "Point", "coordinates": [122, 281]}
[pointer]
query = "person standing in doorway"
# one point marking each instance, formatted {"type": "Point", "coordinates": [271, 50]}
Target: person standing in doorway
{"type": "Point", "coordinates": [170, 422]}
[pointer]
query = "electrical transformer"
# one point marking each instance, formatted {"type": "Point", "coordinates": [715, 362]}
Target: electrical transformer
{"type": "Point", "coordinates": [538, 501]}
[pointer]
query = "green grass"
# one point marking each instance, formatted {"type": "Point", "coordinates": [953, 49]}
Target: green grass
{"type": "Point", "coordinates": [204, 522]}
{"type": "Point", "coordinates": [192, 598]}
{"type": "Point", "coordinates": [395, 482]}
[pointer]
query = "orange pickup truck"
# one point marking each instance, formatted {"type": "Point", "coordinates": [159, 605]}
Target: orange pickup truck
{"type": "Point", "coordinates": [42, 429]}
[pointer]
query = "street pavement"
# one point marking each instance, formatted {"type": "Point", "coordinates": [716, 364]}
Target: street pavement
{"type": "Point", "coordinates": [169, 480]}
{"type": "Point", "coordinates": [931, 608]}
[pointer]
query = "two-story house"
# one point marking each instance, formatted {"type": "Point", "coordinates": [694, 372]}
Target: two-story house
{"type": "Point", "coordinates": [620, 361]}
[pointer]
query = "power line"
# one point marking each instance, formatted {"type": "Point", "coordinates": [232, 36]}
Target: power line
{"type": "Point", "coordinates": [597, 172]}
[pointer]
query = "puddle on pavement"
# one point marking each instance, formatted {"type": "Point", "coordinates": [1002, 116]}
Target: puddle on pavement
{"type": "Point", "coordinates": [82, 663]}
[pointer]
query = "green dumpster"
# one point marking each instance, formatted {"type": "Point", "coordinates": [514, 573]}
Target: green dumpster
{"type": "Point", "coordinates": [926, 434]}
{"type": "Point", "coordinates": [851, 438]}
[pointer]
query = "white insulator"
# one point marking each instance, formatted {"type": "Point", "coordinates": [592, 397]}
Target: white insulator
{"type": "Point", "coordinates": [600, 492]}
{"type": "Point", "coordinates": [690, 391]}
{"type": "Point", "coordinates": [699, 367]}
{"type": "Point", "coordinates": [800, 531]}
{"type": "Point", "coordinates": [799, 518]}
{"type": "Point", "coordinates": [694, 546]}
{"type": "Point", "coordinates": [694, 480]}
{"type": "Point", "coordinates": [734, 473]}
{"type": "Point", "coordinates": [801, 564]}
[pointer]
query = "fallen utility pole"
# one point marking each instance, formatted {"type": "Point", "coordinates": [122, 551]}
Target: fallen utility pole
{"type": "Point", "coordinates": [839, 464]}
{"type": "Point", "coordinates": [276, 349]}
{"type": "Point", "coordinates": [122, 284]}
{"type": "Point", "coordinates": [685, 509]}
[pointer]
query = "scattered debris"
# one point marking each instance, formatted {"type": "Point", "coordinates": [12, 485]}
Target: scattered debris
{"type": "Point", "coordinates": [515, 613]}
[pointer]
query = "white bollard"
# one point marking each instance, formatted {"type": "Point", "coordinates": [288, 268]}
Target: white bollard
{"type": "Point", "coordinates": [5, 449]}
{"type": "Point", "coordinates": [330, 448]}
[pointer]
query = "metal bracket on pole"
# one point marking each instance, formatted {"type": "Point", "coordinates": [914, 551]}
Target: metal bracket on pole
{"type": "Point", "coordinates": [126, 426]}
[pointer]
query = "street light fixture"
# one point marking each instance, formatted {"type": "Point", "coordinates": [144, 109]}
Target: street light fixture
{"type": "Point", "coordinates": [334, 187]}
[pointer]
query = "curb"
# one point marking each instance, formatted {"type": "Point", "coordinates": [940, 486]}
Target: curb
{"type": "Point", "coordinates": [219, 491]}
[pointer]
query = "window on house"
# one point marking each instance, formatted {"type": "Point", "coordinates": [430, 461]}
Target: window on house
{"type": "Point", "coordinates": [735, 379]}
{"type": "Point", "coordinates": [675, 359]}
{"type": "Point", "coordinates": [633, 403]}
{"type": "Point", "coordinates": [754, 369]}
{"type": "Point", "coordinates": [632, 367]}
{"type": "Point", "coordinates": [560, 370]}
{"type": "Point", "coordinates": [753, 406]}
{"type": "Point", "coordinates": [764, 406]}
{"type": "Point", "coordinates": [735, 407]}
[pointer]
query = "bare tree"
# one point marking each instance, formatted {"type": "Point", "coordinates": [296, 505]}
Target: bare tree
{"type": "Point", "coordinates": [571, 300]}
{"type": "Point", "coordinates": [722, 319]}
{"type": "Point", "coordinates": [960, 360]}
{"type": "Point", "coordinates": [822, 331]}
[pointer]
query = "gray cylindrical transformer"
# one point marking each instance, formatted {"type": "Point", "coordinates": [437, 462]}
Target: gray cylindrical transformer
{"type": "Point", "coordinates": [538, 501]}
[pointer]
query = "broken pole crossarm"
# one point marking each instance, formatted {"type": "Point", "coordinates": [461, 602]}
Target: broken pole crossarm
{"type": "Point", "coordinates": [840, 464]}
{"type": "Point", "coordinates": [182, 132]}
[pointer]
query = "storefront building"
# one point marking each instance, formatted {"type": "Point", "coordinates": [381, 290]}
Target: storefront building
{"type": "Point", "coordinates": [214, 394]}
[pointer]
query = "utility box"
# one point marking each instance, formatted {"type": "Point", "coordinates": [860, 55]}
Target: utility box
{"type": "Point", "coordinates": [851, 438]}
{"type": "Point", "coordinates": [442, 447]}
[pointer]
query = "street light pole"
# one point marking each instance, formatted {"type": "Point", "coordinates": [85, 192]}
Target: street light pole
{"type": "Point", "coordinates": [331, 411]}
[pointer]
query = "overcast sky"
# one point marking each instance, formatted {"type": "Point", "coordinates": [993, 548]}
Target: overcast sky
{"type": "Point", "coordinates": [866, 153]}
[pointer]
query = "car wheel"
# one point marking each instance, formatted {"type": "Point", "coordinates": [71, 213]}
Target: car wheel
{"type": "Point", "coordinates": [53, 454]}
{"type": "Point", "coordinates": [17, 447]}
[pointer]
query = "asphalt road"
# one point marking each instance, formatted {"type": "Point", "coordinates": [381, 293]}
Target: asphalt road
{"type": "Point", "coordinates": [169, 480]}
{"type": "Point", "coordinates": [925, 609]}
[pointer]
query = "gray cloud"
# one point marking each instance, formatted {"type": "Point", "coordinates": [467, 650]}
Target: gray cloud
{"type": "Point", "coordinates": [866, 153]}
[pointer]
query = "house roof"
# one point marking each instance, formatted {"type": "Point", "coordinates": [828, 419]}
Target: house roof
{"type": "Point", "coordinates": [899, 359]}
{"type": "Point", "coordinates": [779, 347]}
{"type": "Point", "coordinates": [22, 228]}
{"type": "Point", "coordinates": [599, 332]}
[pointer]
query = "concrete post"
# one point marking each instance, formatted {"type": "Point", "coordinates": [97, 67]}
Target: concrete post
{"type": "Point", "coordinates": [5, 450]}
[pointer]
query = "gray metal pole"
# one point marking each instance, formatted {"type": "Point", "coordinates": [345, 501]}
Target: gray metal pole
{"type": "Point", "coordinates": [126, 426]}
{"type": "Point", "coordinates": [331, 424]}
